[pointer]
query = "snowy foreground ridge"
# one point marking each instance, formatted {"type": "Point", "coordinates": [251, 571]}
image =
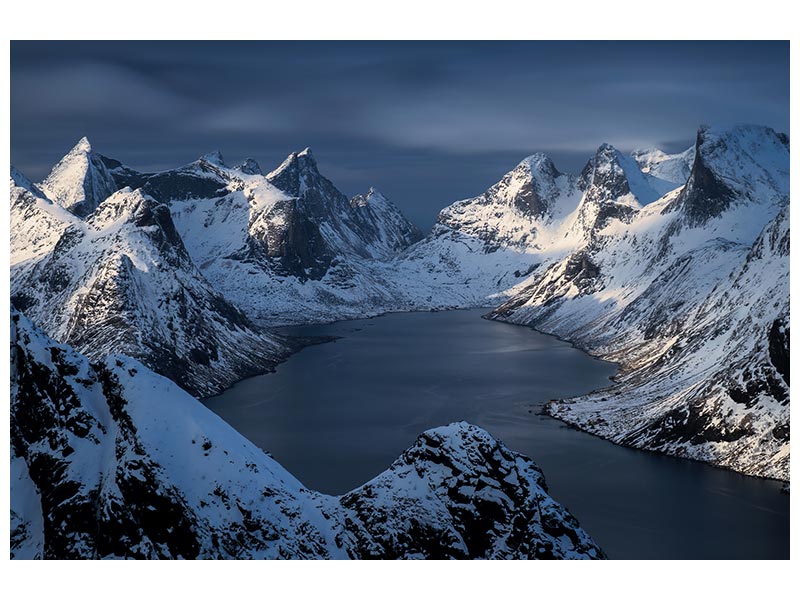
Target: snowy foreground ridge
{"type": "Point", "coordinates": [110, 460]}
{"type": "Point", "coordinates": [675, 266]}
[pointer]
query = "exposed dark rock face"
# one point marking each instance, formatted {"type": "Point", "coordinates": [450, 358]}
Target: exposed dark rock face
{"type": "Point", "coordinates": [532, 199]}
{"type": "Point", "coordinates": [290, 241]}
{"type": "Point", "coordinates": [742, 165]}
{"type": "Point", "coordinates": [299, 174]}
{"type": "Point", "coordinates": [121, 512]}
{"type": "Point", "coordinates": [320, 224]}
{"type": "Point", "coordinates": [201, 179]}
{"type": "Point", "coordinates": [779, 347]}
{"type": "Point", "coordinates": [175, 185]}
{"type": "Point", "coordinates": [603, 179]}
{"type": "Point", "coordinates": [381, 225]}
{"type": "Point", "coordinates": [249, 167]}
{"type": "Point", "coordinates": [705, 195]}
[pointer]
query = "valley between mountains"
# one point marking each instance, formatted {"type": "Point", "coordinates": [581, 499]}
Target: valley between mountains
{"type": "Point", "coordinates": [135, 293]}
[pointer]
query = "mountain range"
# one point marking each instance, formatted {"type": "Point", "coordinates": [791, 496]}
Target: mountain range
{"type": "Point", "coordinates": [674, 266]}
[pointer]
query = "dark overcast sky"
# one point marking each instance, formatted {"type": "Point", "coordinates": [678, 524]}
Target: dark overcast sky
{"type": "Point", "coordinates": [427, 123]}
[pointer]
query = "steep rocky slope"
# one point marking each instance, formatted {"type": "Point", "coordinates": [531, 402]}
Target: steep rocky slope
{"type": "Point", "coordinates": [109, 460]}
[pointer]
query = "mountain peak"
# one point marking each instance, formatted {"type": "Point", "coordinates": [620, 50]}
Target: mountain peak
{"type": "Point", "coordinates": [607, 154]}
{"type": "Point", "coordinates": [610, 176]}
{"type": "Point", "coordinates": [296, 173]}
{"type": "Point", "coordinates": [540, 164]}
{"type": "Point", "coordinates": [249, 166]}
{"type": "Point", "coordinates": [744, 163]}
{"type": "Point", "coordinates": [605, 164]}
{"type": "Point", "coordinates": [214, 157]}
{"type": "Point", "coordinates": [147, 215]}
{"type": "Point", "coordinates": [83, 145]}
{"type": "Point", "coordinates": [80, 181]}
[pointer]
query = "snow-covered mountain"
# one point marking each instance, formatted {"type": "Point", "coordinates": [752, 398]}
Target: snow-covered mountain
{"type": "Point", "coordinates": [690, 295]}
{"type": "Point", "coordinates": [285, 247]}
{"type": "Point", "coordinates": [675, 266]}
{"type": "Point", "coordinates": [483, 248]}
{"type": "Point", "coordinates": [80, 181]}
{"type": "Point", "coordinates": [110, 460]}
{"type": "Point", "coordinates": [122, 281]}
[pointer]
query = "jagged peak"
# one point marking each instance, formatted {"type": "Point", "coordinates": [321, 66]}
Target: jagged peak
{"type": "Point", "coordinates": [294, 174]}
{"type": "Point", "coordinates": [539, 163]}
{"type": "Point", "coordinates": [759, 148]}
{"type": "Point", "coordinates": [743, 133]}
{"type": "Point", "coordinates": [607, 152]}
{"type": "Point", "coordinates": [214, 157]}
{"type": "Point", "coordinates": [610, 176]}
{"type": "Point", "coordinates": [137, 208]}
{"type": "Point", "coordinates": [83, 145]}
{"type": "Point", "coordinates": [743, 163]}
{"type": "Point", "coordinates": [296, 160]}
{"type": "Point", "coordinates": [605, 159]}
{"type": "Point", "coordinates": [79, 181]}
{"type": "Point", "coordinates": [249, 166]}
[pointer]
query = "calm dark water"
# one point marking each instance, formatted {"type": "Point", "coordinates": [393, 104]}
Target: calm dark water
{"type": "Point", "coordinates": [339, 413]}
